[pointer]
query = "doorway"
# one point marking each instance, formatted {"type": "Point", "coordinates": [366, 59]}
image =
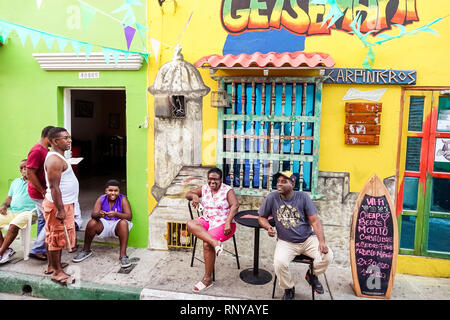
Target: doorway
{"type": "Point", "coordinates": [424, 193]}
{"type": "Point", "coordinates": [96, 119]}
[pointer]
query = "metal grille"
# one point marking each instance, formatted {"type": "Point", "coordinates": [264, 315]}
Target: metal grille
{"type": "Point", "coordinates": [177, 106]}
{"type": "Point", "coordinates": [178, 236]}
{"type": "Point", "coordinates": [270, 124]}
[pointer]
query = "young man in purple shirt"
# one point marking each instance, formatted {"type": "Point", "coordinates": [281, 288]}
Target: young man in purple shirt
{"type": "Point", "coordinates": [111, 217]}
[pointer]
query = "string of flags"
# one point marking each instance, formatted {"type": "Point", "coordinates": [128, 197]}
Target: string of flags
{"type": "Point", "coordinates": [335, 13]}
{"type": "Point", "coordinates": [87, 14]}
{"type": "Point", "coordinates": [382, 38]}
{"type": "Point", "coordinates": [49, 39]}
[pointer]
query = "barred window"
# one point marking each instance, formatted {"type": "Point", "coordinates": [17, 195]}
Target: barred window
{"type": "Point", "coordinates": [271, 124]}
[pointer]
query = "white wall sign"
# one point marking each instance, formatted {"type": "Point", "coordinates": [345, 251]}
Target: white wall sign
{"type": "Point", "coordinates": [88, 75]}
{"type": "Point", "coordinates": [373, 95]}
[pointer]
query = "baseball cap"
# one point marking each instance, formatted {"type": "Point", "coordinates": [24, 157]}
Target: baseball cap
{"type": "Point", "coordinates": [288, 174]}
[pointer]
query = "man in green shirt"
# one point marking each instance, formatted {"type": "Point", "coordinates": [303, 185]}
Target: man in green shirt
{"type": "Point", "coordinates": [15, 212]}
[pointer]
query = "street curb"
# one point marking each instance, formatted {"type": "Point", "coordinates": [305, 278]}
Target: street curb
{"type": "Point", "coordinates": [43, 287]}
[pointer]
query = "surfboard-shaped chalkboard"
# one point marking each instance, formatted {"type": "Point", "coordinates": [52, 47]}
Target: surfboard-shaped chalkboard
{"type": "Point", "coordinates": [373, 241]}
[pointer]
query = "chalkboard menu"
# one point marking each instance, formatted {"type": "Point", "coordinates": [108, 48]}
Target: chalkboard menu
{"type": "Point", "coordinates": [373, 241]}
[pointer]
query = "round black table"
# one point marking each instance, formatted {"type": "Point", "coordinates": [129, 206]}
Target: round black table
{"type": "Point", "coordinates": [255, 275]}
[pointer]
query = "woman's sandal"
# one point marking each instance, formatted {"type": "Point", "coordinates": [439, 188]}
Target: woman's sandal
{"type": "Point", "coordinates": [200, 286]}
{"type": "Point", "coordinates": [219, 249]}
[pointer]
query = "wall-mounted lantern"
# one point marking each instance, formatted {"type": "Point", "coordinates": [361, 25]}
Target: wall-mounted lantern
{"type": "Point", "coordinates": [219, 99]}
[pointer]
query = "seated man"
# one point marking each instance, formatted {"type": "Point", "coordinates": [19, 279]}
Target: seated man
{"type": "Point", "coordinates": [294, 214]}
{"type": "Point", "coordinates": [110, 218]}
{"type": "Point", "coordinates": [15, 211]}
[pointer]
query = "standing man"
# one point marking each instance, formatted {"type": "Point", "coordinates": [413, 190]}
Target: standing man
{"type": "Point", "coordinates": [59, 203]}
{"type": "Point", "coordinates": [36, 190]}
{"type": "Point", "coordinates": [294, 214]}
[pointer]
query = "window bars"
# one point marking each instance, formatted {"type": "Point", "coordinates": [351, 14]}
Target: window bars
{"type": "Point", "coordinates": [271, 124]}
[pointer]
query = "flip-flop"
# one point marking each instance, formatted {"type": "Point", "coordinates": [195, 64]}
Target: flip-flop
{"type": "Point", "coordinates": [74, 249]}
{"type": "Point", "coordinates": [40, 258]}
{"type": "Point", "coordinates": [200, 286]}
{"type": "Point", "coordinates": [64, 281]}
{"type": "Point", "coordinates": [63, 266]}
{"type": "Point", "coordinates": [219, 249]}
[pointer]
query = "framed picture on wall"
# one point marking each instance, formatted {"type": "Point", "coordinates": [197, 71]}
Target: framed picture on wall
{"type": "Point", "coordinates": [114, 121]}
{"type": "Point", "coordinates": [84, 109]}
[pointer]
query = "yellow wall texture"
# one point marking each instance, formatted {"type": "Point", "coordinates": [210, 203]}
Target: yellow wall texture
{"type": "Point", "coordinates": [424, 52]}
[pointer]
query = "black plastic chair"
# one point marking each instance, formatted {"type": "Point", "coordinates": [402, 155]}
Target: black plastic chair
{"type": "Point", "coordinates": [195, 245]}
{"type": "Point", "coordinates": [300, 259]}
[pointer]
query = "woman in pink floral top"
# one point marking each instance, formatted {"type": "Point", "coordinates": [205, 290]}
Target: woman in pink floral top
{"type": "Point", "coordinates": [219, 205]}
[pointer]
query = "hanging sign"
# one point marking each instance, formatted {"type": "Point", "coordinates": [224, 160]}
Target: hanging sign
{"type": "Point", "coordinates": [370, 76]}
{"type": "Point", "coordinates": [373, 241]}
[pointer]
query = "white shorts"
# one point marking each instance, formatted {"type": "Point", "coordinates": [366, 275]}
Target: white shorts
{"type": "Point", "coordinates": [109, 228]}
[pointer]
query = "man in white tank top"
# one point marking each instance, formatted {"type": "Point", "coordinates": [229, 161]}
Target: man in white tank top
{"type": "Point", "coordinates": [58, 205]}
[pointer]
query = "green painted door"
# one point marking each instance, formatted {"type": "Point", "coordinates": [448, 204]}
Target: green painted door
{"type": "Point", "coordinates": [424, 195]}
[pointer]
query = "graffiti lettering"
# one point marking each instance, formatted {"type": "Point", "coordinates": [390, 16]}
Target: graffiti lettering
{"type": "Point", "coordinates": [306, 17]}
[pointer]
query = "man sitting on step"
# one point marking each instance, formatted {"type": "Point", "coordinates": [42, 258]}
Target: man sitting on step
{"type": "Point", "coordinates": [111, 217]}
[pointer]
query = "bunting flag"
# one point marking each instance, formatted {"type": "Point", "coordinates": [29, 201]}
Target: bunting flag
{"type": "Point", "coordinates": [155, 47]}
{"type": "Point", "coordinates": [142, 29]}
{"type": "Point", "coordinates": [35, 35]}
{"type": "Point", "coordinates": [129, 34]}
{"type": "Point", "coordinates": [129, 18]}
{"type": "Point", "coordinates": [87, 15]}
{"type": "Point", "coordinates": [38, 4]}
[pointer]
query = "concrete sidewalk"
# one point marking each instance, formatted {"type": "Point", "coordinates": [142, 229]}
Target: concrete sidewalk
{"type": "Point", "coordinates": [167, 275]}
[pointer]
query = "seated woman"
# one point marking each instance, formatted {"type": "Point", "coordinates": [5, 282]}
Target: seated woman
{"type": "Point", "coordinates": [110, 218]}
{"type": "Point", "coordinates": [219, 205]}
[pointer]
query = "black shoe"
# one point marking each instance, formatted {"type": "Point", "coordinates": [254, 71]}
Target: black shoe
{"type": "Point", "coordinates": [314, 282]}
{"type": "Point", "coordinates": [289, 294]}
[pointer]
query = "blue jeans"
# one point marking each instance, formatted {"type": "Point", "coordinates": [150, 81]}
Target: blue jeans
{"type": "Point", "coordinates": [39, 243]}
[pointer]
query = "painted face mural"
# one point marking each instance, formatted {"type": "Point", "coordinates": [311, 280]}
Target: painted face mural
{"type": "Point", "coordinates": [282, 25]}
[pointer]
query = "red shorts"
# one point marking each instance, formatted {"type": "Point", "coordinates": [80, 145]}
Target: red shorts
{"type": "Point", "coordinates": [217, 232]}
{"type": "Point", "coordinates": [54, 228]}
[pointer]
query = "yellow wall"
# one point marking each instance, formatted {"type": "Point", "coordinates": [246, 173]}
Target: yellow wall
{"type": "Point", "coordinates": [423, 52]}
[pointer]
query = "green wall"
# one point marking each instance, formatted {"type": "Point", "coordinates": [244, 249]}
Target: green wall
{"type": "Point", "coordinates": [31, 98]}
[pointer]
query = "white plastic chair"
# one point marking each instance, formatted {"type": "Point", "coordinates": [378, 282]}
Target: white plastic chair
{"type": "Point", "coordinates": [25, 235]}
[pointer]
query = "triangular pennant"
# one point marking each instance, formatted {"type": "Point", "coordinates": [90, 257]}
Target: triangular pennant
{"type": "Point", "coordinates": [87, 49]}
{"type": "Point", "coordinates": [23, 34]}
{"type": "Point", "coordinates": [141, 29]}
{"type": "Point", "coordinates": [145, 56]}
{"type": "Point", "coordinates": [106, 53]}
{"type": "Point", "coordinates": [155, 47]}
{"type": "Point", "coordinates": [35, 37]}
{"type": "Point", "coordinates": [76, 45]}
{"type": "Point", "coordinates": [62, 43]}
{"type": "Point", "coordinates": [129, 17]}
{"type": "Point", "coordinates": [5, 31]}
{"type": "Point", "coordinates": [87, 15]}
{"type": "Point", "coordinates": [126, 55]}
{"type": "Point", "coordinates": [129, 34]}
{"type": "Point", "coordinates": [48, 41]}
{"type": "Point", "coordinates": [38, 3]}
{"type": "Point", "coordinates": [115, 55]}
